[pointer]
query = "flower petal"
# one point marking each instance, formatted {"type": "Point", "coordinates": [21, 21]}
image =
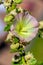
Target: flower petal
{"type": "Point", "coordinates": [26, 27]}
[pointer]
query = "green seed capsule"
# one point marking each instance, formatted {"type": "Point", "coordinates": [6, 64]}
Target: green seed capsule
{"type": "Point", "coordinates": [8, 18]}
{"type": "Point", "coordinates": [17, 1]}
{"type": "Point", "coordinates": [10, 8]}
{"type": "Point", "coordinates": [14, 46]}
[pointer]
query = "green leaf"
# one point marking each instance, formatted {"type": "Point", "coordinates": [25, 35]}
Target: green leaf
{"type": "Point", "coordinates": [23, 61]}
{"type": "Point", "coordinates": [7, 28]}
{"type": "Point", "coordinates": [15, 40]}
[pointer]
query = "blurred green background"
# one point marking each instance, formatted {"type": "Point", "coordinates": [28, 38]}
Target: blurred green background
{"type": "Point", "coordinates": [36, 47]}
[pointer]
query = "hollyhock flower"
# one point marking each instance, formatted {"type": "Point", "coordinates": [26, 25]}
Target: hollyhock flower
{"type": "Point", "coordinates": [25, 27]}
